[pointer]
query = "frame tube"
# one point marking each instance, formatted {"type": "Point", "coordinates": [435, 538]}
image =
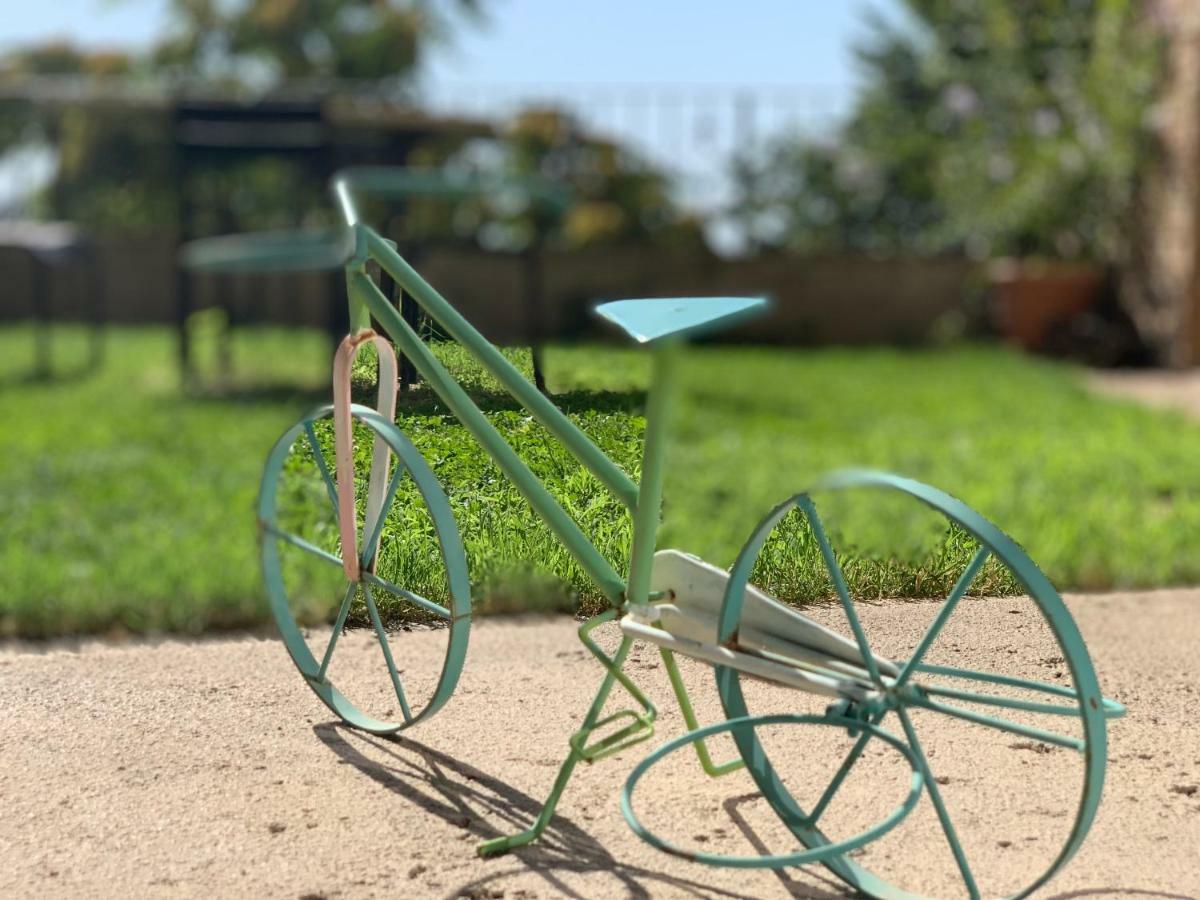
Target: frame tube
{"type": "Point", "coordinates": [549, 509]}
{"type": "Point", "coordinates": [649, 502]}
{"type": "Point", "coordinates": [580, 445]}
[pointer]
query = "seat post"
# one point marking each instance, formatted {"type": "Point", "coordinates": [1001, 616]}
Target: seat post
{"type": "Point", "coordinates": [659, 405]}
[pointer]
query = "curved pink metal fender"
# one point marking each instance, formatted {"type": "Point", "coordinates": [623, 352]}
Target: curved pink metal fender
{"type": "Point", "coordinates": [343, 437]}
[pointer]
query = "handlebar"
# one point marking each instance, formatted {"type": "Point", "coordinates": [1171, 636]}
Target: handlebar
{"type": "Point", "coordinates": [271, 251]}
{"type": "Point", "coordinates": [327, 249]}
{"type": "Point", "coordinates": [400, 181]}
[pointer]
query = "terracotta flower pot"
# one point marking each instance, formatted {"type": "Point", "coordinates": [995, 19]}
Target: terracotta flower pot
{"type": "Point", "coordinates": [1031, 297]}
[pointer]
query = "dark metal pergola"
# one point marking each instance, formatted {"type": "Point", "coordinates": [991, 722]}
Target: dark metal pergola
{"type": "Point", "coordinates": [321, 132]}
{"type": "Point", "coordinates": [50, 246]}
{"type": "Point", "coordinates": [318, 127]}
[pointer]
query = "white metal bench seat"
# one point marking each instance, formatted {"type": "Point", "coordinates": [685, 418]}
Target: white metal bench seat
{"type": "Point", "coordinates": [774, 642]}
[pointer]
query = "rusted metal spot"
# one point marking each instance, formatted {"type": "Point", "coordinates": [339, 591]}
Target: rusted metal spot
{"type": "Point", "coordinates": [357, 339]}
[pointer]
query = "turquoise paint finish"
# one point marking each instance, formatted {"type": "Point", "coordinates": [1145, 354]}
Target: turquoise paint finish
{"type": "Point", "coordinates": [1088, 706]}
{"type": "Point", "coordinates": [313, 250]}
{"type": "Point", "coordinates": [652, 320]}
{"type": "Point", "coordinates": [663, 324]}
{"type": "Point", "coordinates": [272, 251]}
{"type": "Point", "coordinates": [440, 310]}
{"type": "Point", "coordinates": [649, 506]}
{"type": "Point", "coordinates": [444, 385]}
{"type": "Point", "coordinates": [839, 583]}
{"type": "Point", "coordinates": [747, 725]}
{"type": "Point", "coordinates": [974, 567]}
{"type": "Point", "coordinates": [449, 542]}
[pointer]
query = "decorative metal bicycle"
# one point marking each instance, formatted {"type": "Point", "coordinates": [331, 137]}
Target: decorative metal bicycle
{"type": "Point", "coordinates": [670, 599]}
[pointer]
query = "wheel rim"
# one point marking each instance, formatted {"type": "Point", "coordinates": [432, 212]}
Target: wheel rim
{"type": "Point", "coordinates": [275, 537]}
{"type": "Point", "coordinates": [804, 857]}
{"type": "Point", "coordinates": [1082, 702]}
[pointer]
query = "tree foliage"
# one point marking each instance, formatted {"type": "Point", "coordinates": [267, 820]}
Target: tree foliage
{"type": "Point", "coordinates": [609, 194]}
{"type": "Point", "coordinates": [115, 162]}
{"type": "Point", "coordinates": [985, 127]}
{"type": "Point", "coordinates": [277, 40]}
{"type": "Point", "coordinates": [115, 165]}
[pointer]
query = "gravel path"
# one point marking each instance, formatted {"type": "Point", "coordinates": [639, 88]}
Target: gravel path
{"type": "Point", "coordinates": [206, 768]}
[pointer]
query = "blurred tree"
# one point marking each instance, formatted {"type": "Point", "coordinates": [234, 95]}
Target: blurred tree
{"type": "Point", "coordinates": [64, 58]}
{"type": "Point", "coordinates": [992, 128]}
{"type": "Point", "coordinates": [111, 167]}
{"type": "Point", "coordinates": [268, 41]}
{"type": "Point", "coordinates": [611, 195]}
{"type": "Point", "coordinates": [114, 165]}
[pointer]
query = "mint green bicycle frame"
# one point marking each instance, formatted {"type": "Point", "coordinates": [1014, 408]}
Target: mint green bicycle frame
{"type": "Point", "coordinates": [353, 248]}
{"type": "Point", "coordinates": [644, 501]}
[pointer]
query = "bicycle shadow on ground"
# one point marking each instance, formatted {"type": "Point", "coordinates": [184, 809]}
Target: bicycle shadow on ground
{"type": "Point", "coordinates": [486, 807]}
{"type": "Point", "coordinates": [732, 809]}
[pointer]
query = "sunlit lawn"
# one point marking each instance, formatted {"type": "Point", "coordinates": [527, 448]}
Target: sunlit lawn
{"type": "Point", "coordinates": [124, 505]}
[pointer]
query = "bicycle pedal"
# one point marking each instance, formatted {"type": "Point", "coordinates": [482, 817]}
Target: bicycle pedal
{"type": "Point", "coordinates": [640, 728]}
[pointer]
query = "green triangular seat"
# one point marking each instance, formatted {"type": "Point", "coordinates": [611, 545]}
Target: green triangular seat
{"type": "Point", "coordinates": [651, 320]}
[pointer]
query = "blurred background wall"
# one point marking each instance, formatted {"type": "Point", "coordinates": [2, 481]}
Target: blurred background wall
{"type": "Point", "coordinates": [816, 300]}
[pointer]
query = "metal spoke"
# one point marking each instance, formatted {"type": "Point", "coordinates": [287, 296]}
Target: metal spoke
{"type": "Point", "coordinates": [415, 599]}
{"type": "Point", "coordinates": [844, 770]}
{"type": "Point", "coordinates": [1058, 690]}
{"type": "Point", "coordinates": [1037, 734]}
{"type": "Point", "coordinates": [1111, 709]}
{"type": "Point", "coordinates": [935, 795]}
{"type": "Point", "coordinates": [371, 547]}
{"type": "Point", "coordinates": [373, 611]}
{"type": "Point", "coordinates": [302, 544]}
{"type": "Point", "coordinates": [960, 589]}
{"type": "Point", "coordinates": [838, 778]}
{"type": "Point", "coordinates": [839, 583]}
{"type": "Point", "coordinates": [338, 624]}
{"type": "Point", "coordinates": [1049, 709]}
{"type": "Point", "coordinates": [319, 456]}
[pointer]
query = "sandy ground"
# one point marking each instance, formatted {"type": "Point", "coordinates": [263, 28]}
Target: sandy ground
{"type": "Point", "coordinates": [180, 769]}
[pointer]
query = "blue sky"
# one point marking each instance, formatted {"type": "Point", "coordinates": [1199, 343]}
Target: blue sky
{"type": "Point", "coordinates": [665, 42]}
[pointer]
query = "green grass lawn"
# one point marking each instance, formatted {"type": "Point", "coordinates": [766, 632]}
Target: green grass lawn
{"type": "Point", "coordinates": [125, 506]}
